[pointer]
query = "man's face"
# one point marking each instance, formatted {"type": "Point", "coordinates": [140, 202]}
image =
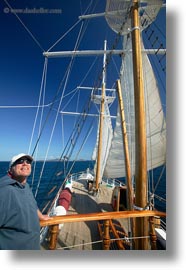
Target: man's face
{"type": "Point", "coordinates": [21, 169]}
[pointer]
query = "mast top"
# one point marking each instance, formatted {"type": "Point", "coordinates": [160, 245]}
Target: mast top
{"type": "Point", "coordinates": [118, 14]}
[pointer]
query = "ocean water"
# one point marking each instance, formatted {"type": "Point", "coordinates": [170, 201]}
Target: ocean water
{"type": "Point", "coordinates": [54, 174]}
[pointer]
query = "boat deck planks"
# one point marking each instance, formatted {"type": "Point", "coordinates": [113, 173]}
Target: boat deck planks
{"type": "Point", "coordinates": [85, 235]}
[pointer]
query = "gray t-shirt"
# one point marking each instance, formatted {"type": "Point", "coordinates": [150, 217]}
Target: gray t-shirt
{"type": "Point", "coordinates": [19, 222]}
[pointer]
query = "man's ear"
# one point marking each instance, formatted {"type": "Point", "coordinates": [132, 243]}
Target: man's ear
{"type": "Point", "coordinates": [10, 172]}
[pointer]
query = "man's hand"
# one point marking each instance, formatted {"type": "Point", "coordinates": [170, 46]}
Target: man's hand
{"type": "Point", "coordinates": [42, 217]}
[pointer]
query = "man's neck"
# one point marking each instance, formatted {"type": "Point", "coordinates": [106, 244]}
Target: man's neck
{"type": "Point", "coordinates": [20, 179]}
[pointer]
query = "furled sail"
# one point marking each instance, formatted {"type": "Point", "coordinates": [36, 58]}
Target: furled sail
{"type": "Point", "coordinates": [107, 139]}
{"type": "Point", "coordinates": [156, 126]}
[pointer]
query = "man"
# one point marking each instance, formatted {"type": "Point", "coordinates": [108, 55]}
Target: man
{"type": "Point", "coordinates": [19, 214]}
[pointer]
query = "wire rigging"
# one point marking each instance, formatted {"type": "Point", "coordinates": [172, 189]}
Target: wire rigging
{"type": "Point", "coordinates": [55, 121]}
{"type": "Point", "coordinates": [25, 27]}
{"type": "Point", "coordinates": [43, 82]}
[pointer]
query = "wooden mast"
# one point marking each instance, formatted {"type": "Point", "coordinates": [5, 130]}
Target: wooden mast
{"type": "Point", "coordinates": [130, 192]}
{"type": "Point", "coordinates": [98, 168]}
{"type": "Point", "coordinates": [141, 228]}
{"type": "Point", "coordinates": [125, 146]}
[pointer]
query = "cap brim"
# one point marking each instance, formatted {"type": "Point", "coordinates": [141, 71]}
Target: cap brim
{"type": "Point", "coordinates": [15, 158]}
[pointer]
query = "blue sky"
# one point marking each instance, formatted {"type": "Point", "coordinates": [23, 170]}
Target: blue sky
{"type": "Point", "coordinates": [22, 64]}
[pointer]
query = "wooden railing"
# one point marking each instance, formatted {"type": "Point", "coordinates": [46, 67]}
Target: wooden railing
{"type": "Point", "coordinates": [56, 220]}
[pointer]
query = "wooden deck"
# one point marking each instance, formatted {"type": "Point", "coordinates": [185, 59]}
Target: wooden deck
{"type": "Point", "coordinates": [85, 235]}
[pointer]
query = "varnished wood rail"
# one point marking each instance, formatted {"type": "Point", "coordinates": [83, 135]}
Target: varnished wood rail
{"type": "Point", "coordinates": [106, 216]}
{"type": "Point", "coordinates": [100, 216]}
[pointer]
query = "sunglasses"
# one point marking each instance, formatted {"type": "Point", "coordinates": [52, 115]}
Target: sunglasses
{"type": "Point", "coordinates": [22, 160]}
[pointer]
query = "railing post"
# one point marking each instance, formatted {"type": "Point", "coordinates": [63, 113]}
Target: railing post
{"type": "Point", "coordinates": [56, 220]}
{"type": "Point", "coordinates": [54, 230]}
{"type": "Point", "coordinates": [106, 236]}
{"type": "Point", "coordinates": [153, 236]}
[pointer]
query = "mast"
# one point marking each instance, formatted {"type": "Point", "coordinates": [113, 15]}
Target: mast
{"type": "Point", "coordinates": [126, 155]}
{"type": "Point", "coordinates": [98, 168]}
{"type": "Point", "coordinates": [125, 146]}
{"type": "Point", "coordinates": [141, 228]}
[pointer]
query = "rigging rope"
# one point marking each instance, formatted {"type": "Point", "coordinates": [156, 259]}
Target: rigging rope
{"type": "Point", "coordinates": [26, 28]}
{"type": "Point", "coordinates": [158, 57]}
{"type": "Point", "coordinates": [43, 86]}
{"type": "Point", "coordinates": [71, 139]}
{"type": "Point", "coordinates": [152, 35]}
{"type": "Point", "coordinates": [82, 145]}
{"type": "Point", "coordinates": [159, 178]}
{"type": "Point", "coordinates": [69, 30]}
{"type": "Point", "coordinates": [74, 135]}
{"type": "Point", "coordinates": [101, 241]}
{"type": "Point", "coordinates": [63, 36]}
{"type": "Point", "coordinates": [67, 151]}
{"type": "Point", "coordinates": [67, 74]}
{"type": "Point", "coordinates": [43, 82]}
{"type": "Point", "coordinates": [58, 110]}
{"type": "Point", "coordinates": [74, 160]}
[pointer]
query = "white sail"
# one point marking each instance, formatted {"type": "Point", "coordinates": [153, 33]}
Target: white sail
{"type": "Point", "coordinates": [107, 139]}
{"type": "Point", "coordinates": [118, 14]}
{"type": "Point", "coordinates": [156, 126]}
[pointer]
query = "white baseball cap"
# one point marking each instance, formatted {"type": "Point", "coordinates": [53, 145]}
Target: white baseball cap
{"type": "Point", "coordinates": [15, 158]}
